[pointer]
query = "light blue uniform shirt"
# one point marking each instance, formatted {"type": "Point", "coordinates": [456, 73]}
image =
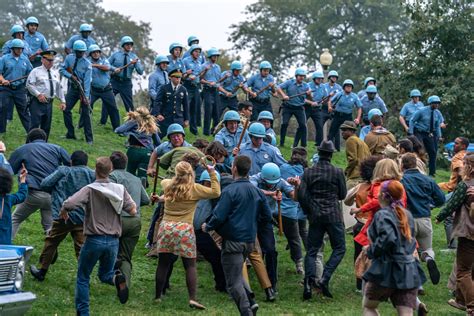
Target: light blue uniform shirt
{"type": "Point", "coordinates": [156, 81]}
{"type": "Point", "coordinates": [176, 64]}
{"type": "Point", "coordinates": [367, 105]}
{"type": "Point", "coordinates": [345, 102]}
{"type": "Point", "coordinates": [36, 41]}
{"type": "Point", "coordinates": [271, 132]}
{"type": "Point", "coordinates": [117, 60]}
{"type": "Point", "coordinates": [364, 131]}
{"type": "Point", "coordinates": [333, 89]}
{"type": "Point", "coordinates": [282, 185]}
{"type": "Point", "coordinates": [83, 71]}
{"type": "Point", "coordinates": [421, 120]}
{"type": "Point", "coordinates": [257, 82]}
{"type": "Point", "coordinates": [409, 109]}
{"type": "Point", "coordinates": [260, 156]}
{"type": "Point", "coordinates": [15, 67]}
{"type": "Point", "coordinates": [196, 66]}
{"type": "Point", "coordinates": [100, 78]}
{"type": "Point", "coordinates": [289, 207]}
{"type": "Point", "coordinates": [319, 91]}
{"type": "Point", "coordinates": [231, 82]}
{"type": "Point", "coordinates": [291, 88]}
{"type": "Point", "coordinates": [230, 141]}
{"type": "Point", "coordinates": [6, 49]}
{"type": "Point", "coordinates": [201, 58]}
{"type": "Point", "coordinates": [166, 147]}
{"type": "Point", "coordinates": [89, 41]}
{"type": "Point", "coordinates": [213, 74]}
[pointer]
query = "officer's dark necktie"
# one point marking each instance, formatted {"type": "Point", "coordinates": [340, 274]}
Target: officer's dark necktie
{"type": "Point", "coordinates": [74, 70]}
{"type": "Point", "coordinates": [432, 122]}
{"type": "Point", "coordinates": [124, 73]}
{"type": "Point", "coordinates": [165, 80]}
{"type": "Point", "coordinates": [51, 86]}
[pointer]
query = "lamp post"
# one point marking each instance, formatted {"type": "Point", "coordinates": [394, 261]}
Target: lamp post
{"type": "Point", "coordinates": [325, 59]}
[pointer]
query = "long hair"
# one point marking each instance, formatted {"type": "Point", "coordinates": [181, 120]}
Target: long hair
{"type": "Point", "coordinates": [392, 192]}
{"type": "Point", "coordinates": [386, 169]}
{"type": "Point", "coordinates": [181, 183]}
{"type": "Point", "coordinates": [468, 169]}
{"type": "Point", "coordinates": [418, 148]}
{"type": "Point", "coordinates": [146, 122]}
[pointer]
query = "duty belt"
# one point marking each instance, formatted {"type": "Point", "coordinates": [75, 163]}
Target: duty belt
{"type": "Point", "coordinates": [17, 87]}
{"type": "Point", "coordinates": [107, 88]}
{"type": "Point", "coordinates": [117, 78]}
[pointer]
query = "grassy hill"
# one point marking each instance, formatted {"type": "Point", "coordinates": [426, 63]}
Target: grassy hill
{"type": "Point", "coordinates": [55, 296]}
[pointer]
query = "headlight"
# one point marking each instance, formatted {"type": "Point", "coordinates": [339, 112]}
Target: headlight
{"type": "Point", "coordinates": [19, 274]}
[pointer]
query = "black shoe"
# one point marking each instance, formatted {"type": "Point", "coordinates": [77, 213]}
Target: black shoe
{"type": "Point", "coordinates": [38, 274]}
{"type": "Point", "coordinates": [67, 136]}
{"type": "Point", "coordinates": [271, 297]}
{"type": "Point", "coordinates": [307, 291]}
{"type": "Point", "coordinates": [324, 288]}
{"type": "Point", "coordinates": [122, 289]}
{"type": "Point", "coordinates": [55, 257]}
{"type": "Point", "coordinates": [433, 271]}
{"type": "Point", "coordinates": [254, 307]}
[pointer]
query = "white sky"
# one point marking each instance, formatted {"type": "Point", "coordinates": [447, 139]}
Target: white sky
{"type": "Point", "coordinates": [174, 21]}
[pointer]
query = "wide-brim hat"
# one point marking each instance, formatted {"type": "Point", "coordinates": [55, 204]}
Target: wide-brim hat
{"type": "Point", "coordinates": [327, 146]}
{"type": "Point", "coordinates": [348, 125]}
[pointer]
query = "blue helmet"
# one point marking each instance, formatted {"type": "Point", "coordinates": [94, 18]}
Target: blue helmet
{"type": "Point", "coordinates": [175, 45]}
{"type": "Point", "coordinates": [85, 28]}
{"type": "Point", "coordinates": [79, 46]}
{"type": "Point", "coordinates": [194, 47]}
{"type": "Point", "coordinates": [415, 93]}
{"type": "Point", "coordinates": [333, 73]}
{"type": "Point", "coordinates": [374, 112]}
{"type": "Point", "coordinates": [300, 72]}
{"type": "Point", "coordinates": [317, 74]}
{"type": "Point", "coordinates": [434, 99]}
{"type": "Point", "coordinates": [348, 82]}
{"type": "Point", "coordinates": [271, 173]}
{"type": "Point", "coordinates": [371, 89]}
{"type": "Point", "coordinates": [191, 39]}
{"type": "Point", "coordinates": [161, 59]}
{"type": "Point", "coordinates": [231, 116]}
{"type": "Point", "coordinates": [236, 65]}
{"type": "Point", "coordinates": [273, 140]}
{"type": "Point", "coordinates": [16, 29]}
{"type": "Point", "coordinates": [17, 43]}
{"type": "Point", "coordinates": [175, 128]}
{"type": "Point", "coordinates": [213, 52]}
{"type": "Point", "coordinates": [368, 79]}
{"type": "Point", "coordinates": [206, 177]}
{"type": "Point", "coordinates": [32, 20]}
{"type": "Point", "coordinates": [125, 40]}
{"type": "Point", "coordinates": [94, 48]}
{"type": "Point", "coordinates": [265, 115]}
{"type": "Point", "coordinates": [257, 130]}
{"type": "Point", "coordinates": [265, 65]}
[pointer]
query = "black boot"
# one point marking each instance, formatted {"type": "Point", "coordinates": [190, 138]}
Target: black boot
{"type": "Point", "coordinates": [271, 297]}
{"type": "Point", "coordinates": [307, 292]}
{"type": "Point", "coordinates": [324, 288]}
{"type": "Point", "coordinates": [38, 274]}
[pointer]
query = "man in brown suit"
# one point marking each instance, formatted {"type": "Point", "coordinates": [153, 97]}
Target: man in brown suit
{"type": "Point", "coordinates": [379, 137]}
{"type": "Point", "coordinates": [356, 151]}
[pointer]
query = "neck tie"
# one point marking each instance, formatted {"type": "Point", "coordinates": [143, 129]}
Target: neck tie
{"type": "Point", "coordinates": [51, 86]}
{"type": "Point", "coordinates": [165, 80]}
{"type": "Point", "coordinates": [432, 122]}
{"type": "Point", "coordinates": [124, 73]}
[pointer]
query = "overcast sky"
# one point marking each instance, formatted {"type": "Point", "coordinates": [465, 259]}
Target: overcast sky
{"type": "Point", "coordinates": [174, 21]}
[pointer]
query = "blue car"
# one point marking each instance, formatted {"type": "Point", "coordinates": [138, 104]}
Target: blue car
{"type": "Point", "coordinates": [449, 148]}
{"type": "Point", "coordinates": [13, 260]}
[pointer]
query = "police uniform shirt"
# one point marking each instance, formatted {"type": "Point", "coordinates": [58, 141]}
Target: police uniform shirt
{"type": "Point", "coordinates": [333, 89]}
{"type": "Point", "coordinates": [292, 88]}
{"type": "Point", "coordinates": [38, 83]}
{"type": "Point", "coordinates": [12, 67]}
{"type": "Point", "coordinates": [409, 109]}
{"type": "Point", "coordinates": [421, 121]}
{"type": "Point", "coordinates": [213, 74]}
{"type": "Point", "coordinates": [376, 103]}
{"type": "Point", "coordinates": [201, 59]}
{"type": "Point", "coordinates": [83, 71]}
{"type": "Point", "coordinates": [345, 102]}
{"type": "Point", "coordinates": [257, 82]}
{"type": "Point", "coordinates": [36, 41]}
{"type": "Point", "coordinates": [176, 64]}
{"type": "Point", "coordinates": [166, 147]}
{"type": "Point", "coordinates": [100, 78]}
{"type": "Point", "coordinates": [156, 81]}
{"type": "Point", "coordinates": [281, 185]}
{"type": "Point", "coordinates": [230, 141]}
{"type": "Point", "coordinates": [319, 91]}
{"type": "Point", "coordinates": [231, 83]}
{"type": "Point", "coordinates": [117, 60]}
{"type": "Point", "coordinates": [89, 41]}
{"type": "Point", "coordinates": [7, 49]}
{"type": "Point", "coordinates": [261, 155]}
{"type": "Point", "coordinates": [195, 65]}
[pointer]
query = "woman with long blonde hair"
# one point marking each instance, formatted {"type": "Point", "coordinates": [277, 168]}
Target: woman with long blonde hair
{"type": "Point", "coordinates": [176, 233]}
{"type": "Point", "coordinates": [142, 131]}
{"type": "Point", "coordinates": [394, 273]}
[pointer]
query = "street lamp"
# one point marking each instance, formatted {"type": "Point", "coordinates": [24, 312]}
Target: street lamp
{"type": "Point", "coordinates": [325, 59]}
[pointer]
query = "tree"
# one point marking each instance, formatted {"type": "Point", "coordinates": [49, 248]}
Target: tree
{"type": "Point", "coordinates": [59, 19]}
{"type": "Point", "coordinates": [356, 32]}
{"type": "Point", "coordinates": [435, 56]}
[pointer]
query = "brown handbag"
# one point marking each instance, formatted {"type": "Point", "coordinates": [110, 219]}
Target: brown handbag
{"type": "Point", "coordinates": [361, 264]}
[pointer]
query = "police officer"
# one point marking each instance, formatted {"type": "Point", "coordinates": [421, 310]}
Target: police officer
{"type": "Point", "coordinates": [425, 124]}
{"type": "Point", "coordinates": [124, 61]}
{"type": "Point", "coordinates": [332, 86]}
{"type": "Point", "coordinates": [100, 85]}
{"type": "Point", "coordinates": [85, 30]}
{"type": "Point", "coordinates": [342, 104]}
{"type": "Point", "coordinates": [261, 84]}
{"type": "Point", "coordinates": [293, 104]}
{"type": "Point", "coordinates": [17, 32]}
{"type": "Point", "coordinates": [13, 66]}
{"type": "Point", "coordinates": [158, 78]}
{"type": "Point", "coordinates": [229, 87]}
{"type": "Point", "coordinates": [78, 70]}
{"type": "Point", "coordinates": [176, 49]}
{"type": "Point", "coordinates": [192, 64]}
{"type": "Point", "coordinates": [229, 136]}
{"type": "Point", "coordinates": [266, 118]}
{"type": "Point", "coordinates": [370, 100]}
{"type": "Point", "coordinates": [410, 108]}
{"type": "Point", "coordinates": [194, 40]}
{"type": "Point", "coordinates": [369, 81]}
{"type": "Point", "coordinates": [44, 84]}
{"type": "Point", "coordinates": [35, 40]}
{"type": "Point", "coordinates": [210, 79]}
{"type": "Point", "coordinates": [171, 103]}
{"type": "Point", "coordinates": [367, 128]}
{"type": "Point", "coordinates": [259, 151]}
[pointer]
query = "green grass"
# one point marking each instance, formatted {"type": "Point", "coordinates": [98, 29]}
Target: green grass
{"type": "Point", "coordinates": [55, 296]}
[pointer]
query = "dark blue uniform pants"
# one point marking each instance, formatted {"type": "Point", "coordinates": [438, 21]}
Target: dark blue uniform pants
{"type": "Point", "coordinates": [108, 102]}
{"type": "Point", "coordinates": [334, 133]}
{"type": "Point", "coordinates": [300, 115]}
{"type": "Point", "coordinates": [124, 88]}
{"type": "Point", "coordinates": [41, 115]}
{"type": "Point", "coordinates": [260, 105]}
{"type": "Point", "coordinates": [211, 108]}
{"type": "Point", "coordinates": [72, 96]}
{"type": "Point", "coordinates": [226, 102]}
{"type": "Point", "coordinates": [266, 238]}
{"type": "Point", "coordinates": [430, 141]}
{"type": "Point", "coordinates": [319, 117]}
{"type": "Point", "coordinates": [10, 97]}
{"type": "Point", "coordinates": [194, 98]}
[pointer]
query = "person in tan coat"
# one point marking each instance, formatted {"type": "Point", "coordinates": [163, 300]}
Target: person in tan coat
{"type": "Point", "coordinates": [356, 151]}
{"type": "Point", "coordinates": [379, 137]}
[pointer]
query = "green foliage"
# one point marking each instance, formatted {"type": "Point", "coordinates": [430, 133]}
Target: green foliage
{"type": "Point", "coordinates": [435, 56]}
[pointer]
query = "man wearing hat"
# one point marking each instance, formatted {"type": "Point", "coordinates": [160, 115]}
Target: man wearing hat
{"type": "Point", "coordinates": [36, 40]}
{"type": "Point", "coordinates": [319, 191]}
{"type": "Point", "coordinates": [44, 84]}
{"type": "Point", "coordinates": [171, 103]}
{"type": "Point", "coordinates": [85, 31]}
{"type": "Point", "coordinates": [379, 137]}
{"type": "Point", "coordinates": [17, 32]}
{"type": "Point", "coordinates": [370, 100]}
{"type": "Point", "coordinates": [356, 151]}
{"type": "Point", "coordinates": [210, 80]}
{"type": "Point", "coordinates": [192, 83]}
{"type": "Point", "coordinates": [158, 78]}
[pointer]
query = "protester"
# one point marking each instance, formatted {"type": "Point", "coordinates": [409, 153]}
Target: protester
{"type": "Point", "coordinates": [379, 137]}
{"type": "Point", "coordinates": [406, 146]}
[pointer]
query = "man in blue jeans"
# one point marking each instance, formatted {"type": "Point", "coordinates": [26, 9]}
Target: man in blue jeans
{"type": "Point", "coordinates": [103, 202]}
